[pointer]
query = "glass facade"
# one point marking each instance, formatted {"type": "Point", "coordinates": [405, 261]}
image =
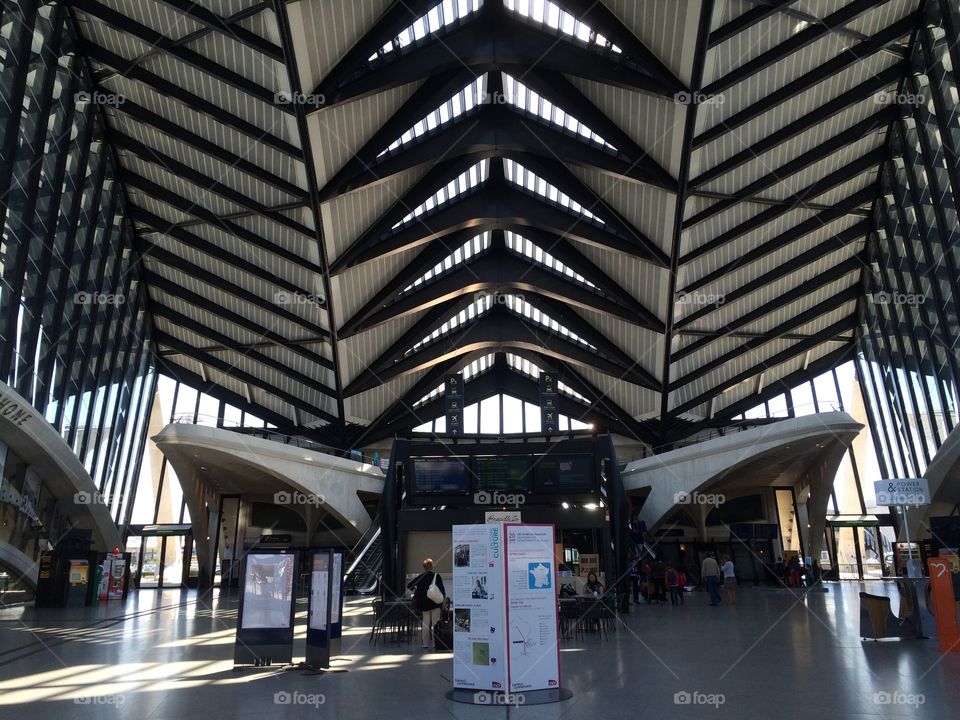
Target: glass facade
{"type": "Point", "coordinates": [907, 363]}
{"type": "Point", "coordinates": [74, 334]}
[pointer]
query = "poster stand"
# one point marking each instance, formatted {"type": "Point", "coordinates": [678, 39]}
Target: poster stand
{"type": "Point", "coordinates": [506, 625]}
{"type": "Point", "coordinates": [325, 609]}
{"type": "Point", "coordinates": [265, 616]}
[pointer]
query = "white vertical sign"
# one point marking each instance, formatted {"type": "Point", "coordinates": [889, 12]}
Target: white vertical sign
{"type": "Point", "coordinates": [534, 650]}
{"type": "Point", "coordinates": [479, 637]}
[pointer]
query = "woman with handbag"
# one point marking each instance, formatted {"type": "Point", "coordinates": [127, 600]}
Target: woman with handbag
{"type": "Point", "coordinates": [428, 595]}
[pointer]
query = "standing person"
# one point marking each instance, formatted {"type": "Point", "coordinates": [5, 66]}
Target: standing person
{"type": "Point", "coordinates": [730, 581]}
{"type": "Point", "coordinates": [659, 581]}
{"type": "Point", "coordinates": [429, 609]}
{"type": "Point", "coordinates": [635, 572]}
{"type": "Point", "coordinates": [673, 585]}
{"type": "Point", "coordinates": [710, 572]}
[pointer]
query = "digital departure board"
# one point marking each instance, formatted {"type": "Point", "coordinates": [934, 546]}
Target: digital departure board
{"type": "Point", "coordinates": [564, 473]}
{"type": "Point", "coordinates": [438, 476]}
{"type": "Point", "coordinates": [503, 474]}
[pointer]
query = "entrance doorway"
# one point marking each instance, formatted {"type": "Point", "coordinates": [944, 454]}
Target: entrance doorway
{"type": "Point", "coordinates": [859, 550]}
{"type": "Point", "coordinates": [163, 556]}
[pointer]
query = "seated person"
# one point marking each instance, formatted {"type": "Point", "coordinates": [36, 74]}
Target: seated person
{"type": "Point", "coordinates": [593, 586]}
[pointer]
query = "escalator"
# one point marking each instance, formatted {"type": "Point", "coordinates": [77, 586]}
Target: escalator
{"type": "Point", "coordinates": [363, 573]}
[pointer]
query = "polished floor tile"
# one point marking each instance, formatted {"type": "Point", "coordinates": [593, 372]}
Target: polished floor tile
{"type": "Point", "coordinates": [169, 656]}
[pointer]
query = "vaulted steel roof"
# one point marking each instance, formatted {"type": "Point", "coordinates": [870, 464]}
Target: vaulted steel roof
{"type": "Point", "coordinates": [340, 201]}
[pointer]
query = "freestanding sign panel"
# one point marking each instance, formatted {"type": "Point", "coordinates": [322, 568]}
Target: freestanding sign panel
{"type": "Point", "coordinates": [265, 616]}
{"type": "Point", "coordinates": [336, 602]}
{"type": "Point", "coordinates": [505, 634]}
{"type": "Point", "coordinates": [318, 613]}
{"type": "Point", "coordinates": [534, 656]}
{"type": "Point", "coordinates": [479, 640]}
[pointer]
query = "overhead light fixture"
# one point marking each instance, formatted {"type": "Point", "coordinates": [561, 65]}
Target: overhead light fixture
{"type": "Point", "coordinates": [565, 505]}
{"type": "Point", "coordinates": [590, 506]}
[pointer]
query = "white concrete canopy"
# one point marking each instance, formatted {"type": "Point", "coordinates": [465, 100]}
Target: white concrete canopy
{"type": "Point", "coordinates": [29, 435]}
{"type": "Point", "coordinates": [802, 452]}
{"type": "Point", "coordinates": [210, 462]}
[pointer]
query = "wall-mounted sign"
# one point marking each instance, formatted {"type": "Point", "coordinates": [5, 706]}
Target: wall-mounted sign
{"type": "Point", "coordinates": [501, 516]}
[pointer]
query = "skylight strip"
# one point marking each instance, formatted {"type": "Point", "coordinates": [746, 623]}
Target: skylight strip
{"type": "Point", "coordinates": [530, 100]}
{"type": "Point", "coordinates": [551, 15]}
{"type": "Point", "coordinates": [519, 305]}
{"type": "Point", "coordinates": [463, 101]}
{"type": "Point", "coordinates": [465, 181]}
{"type": "Point", "coordinates": [436, 19]}
{"type": "Point", "coordinates": [472, 247]}
{"type": "Point", "coordinates": [532, 370]}
{"type": "Point", "coordinates": [476, 367]}
{"type": "Point", "coordinates": [534, 252]}
{"type": "Point", "coordinates": [519, 175]}
{"type": "Point", "coordinates": [479, 306]}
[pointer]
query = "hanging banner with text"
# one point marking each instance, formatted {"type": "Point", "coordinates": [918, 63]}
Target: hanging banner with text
{"type": "Point", "coordinates": [479, 638]}
{"type": "Point", "coordinates": [534, 656]}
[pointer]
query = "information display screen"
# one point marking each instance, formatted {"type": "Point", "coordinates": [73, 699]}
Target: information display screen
{"type": "Point", "coordinates": [564, 473]}
{"type": "Point", "coordinates": [440, 476]}
{"type": "Point", "coordinates": [503, 474]}
{"type": "Point", "coordinates": [267, 591]}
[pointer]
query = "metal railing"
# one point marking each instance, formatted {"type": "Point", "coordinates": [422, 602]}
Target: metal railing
{"type": "Point", "coordinates": [736, 426]}
{"type": "Point", "coordinates": [276, 436]}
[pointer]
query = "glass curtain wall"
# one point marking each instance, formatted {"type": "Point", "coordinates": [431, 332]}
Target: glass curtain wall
{"type": "Point", "coordinates": [74, 336]}
{"type": "Point", "coordinates": [908, 361]}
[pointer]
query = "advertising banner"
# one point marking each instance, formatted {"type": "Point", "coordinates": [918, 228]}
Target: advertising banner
{"type": "Point", "coordinates": [534, 650]}
{"type": "Point", "coordinates": [479, 638]}
{"type": "Point", "coordinates": [117, 569]}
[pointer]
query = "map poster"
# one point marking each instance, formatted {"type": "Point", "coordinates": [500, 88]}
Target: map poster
{"type": "Point", "coordinates": [531, 594]}
{"type": "Point", "coordinates": [479, 638]}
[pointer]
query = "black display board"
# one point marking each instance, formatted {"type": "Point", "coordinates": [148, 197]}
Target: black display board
{"type": "Point", "coordinates": [441, 476]}
{"type": "Point", "coordinates": [507, 473]}
{"type": "Point", "coordinates": [565, 474]}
